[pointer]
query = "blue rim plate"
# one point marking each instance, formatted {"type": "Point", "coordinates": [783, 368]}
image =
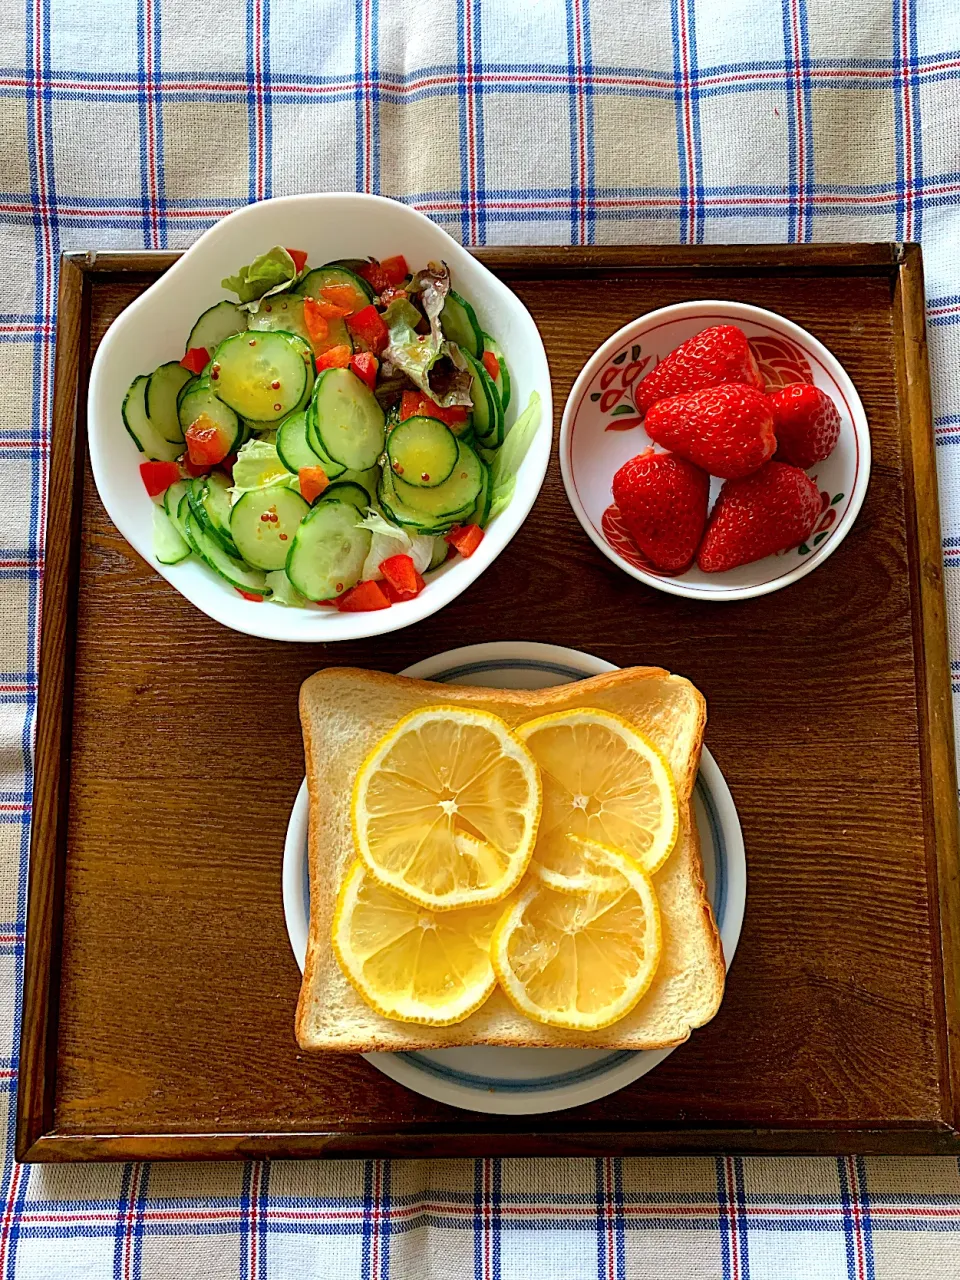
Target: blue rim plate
{"type": "Point", "coordinates": [531, 1081]}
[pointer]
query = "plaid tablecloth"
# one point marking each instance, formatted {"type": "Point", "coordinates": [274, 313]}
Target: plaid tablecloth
{"type": "Point", "coordinates": [140, 122]}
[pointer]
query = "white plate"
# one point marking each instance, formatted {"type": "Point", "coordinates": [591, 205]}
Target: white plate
{"type": "Point", "coordinates": [154, 328]}
{"type": "Point", "coordinates": [601, 430]}
{"type": "Point", "coordinates": [531, 1081]}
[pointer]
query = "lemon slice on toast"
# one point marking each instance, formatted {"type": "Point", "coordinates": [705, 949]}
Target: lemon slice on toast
{"type": "Point", "coordinates": [445, 808]}
{"type": "Point", "coordinates": [580, 959]}
{"type": "Point", "coordinates": [602, 781]}
{"type": "Point", "coordinates": [410, 963]}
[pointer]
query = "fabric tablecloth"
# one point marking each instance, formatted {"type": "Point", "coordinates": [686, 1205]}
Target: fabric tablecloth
{"type": "Point", "coordinates": [139, 123]}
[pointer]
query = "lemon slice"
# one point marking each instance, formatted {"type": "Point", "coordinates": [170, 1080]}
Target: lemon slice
{"type": "Point", "coordinates": [445, 808]}
{"type": "Point", "coordinates": [603, 781]}
{"type": "Point", "coordinates": [409, 963]}
{"type": "Point", "coordinates": [583, 872]}
{"type": "Point", "coordinates": [580, 960]}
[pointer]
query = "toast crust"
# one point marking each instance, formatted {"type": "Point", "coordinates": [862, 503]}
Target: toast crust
{"type": "Point", "coordinates": [345, 711]}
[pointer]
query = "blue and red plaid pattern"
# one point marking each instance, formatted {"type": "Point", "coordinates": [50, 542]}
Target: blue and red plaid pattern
{"type": "Point", "coordinates": [507, 121]}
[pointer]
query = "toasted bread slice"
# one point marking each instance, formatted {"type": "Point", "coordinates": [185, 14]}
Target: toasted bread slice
{"type": "Point", "coordinates": [345, 712]}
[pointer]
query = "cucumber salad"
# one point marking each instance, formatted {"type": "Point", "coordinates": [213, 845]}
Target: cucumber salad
{"type": "Point", "coordinates": [331, 436]}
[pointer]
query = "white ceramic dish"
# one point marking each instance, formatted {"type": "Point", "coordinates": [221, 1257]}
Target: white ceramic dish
{"type": "Point", "coordinates": [533, 1081]}
{"type": "Point", "coordinates": [601, 430]}
{"type": "Point", "coordinates": [154, 328]}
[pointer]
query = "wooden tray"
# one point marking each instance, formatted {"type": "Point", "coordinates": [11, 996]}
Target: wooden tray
{"type": "Point", "coordinates": [160, 987]}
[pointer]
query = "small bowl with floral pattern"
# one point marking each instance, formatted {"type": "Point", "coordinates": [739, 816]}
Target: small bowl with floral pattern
{"type": "Point", "coordinates": [602, 429]}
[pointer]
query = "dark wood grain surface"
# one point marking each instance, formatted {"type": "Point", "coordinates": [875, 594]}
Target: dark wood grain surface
{"type": "Point", "coordinates": [829, 716]}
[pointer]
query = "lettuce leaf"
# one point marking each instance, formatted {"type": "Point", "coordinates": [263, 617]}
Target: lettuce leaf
{"type": "Point", "coordinates": [433, 285]}
{"type": "Point", "coordinates": [431, 363]}
{"type": "Point", "coordinates": [271, 273]}
{"type": "Point", "coordinates": [284, 592]}
{"type": "Point", "coordinates": [390, 540]}
{"type": "Point", "coordinates": [258, 465]}
{"type": "Point", "coordinates": [506, 462]}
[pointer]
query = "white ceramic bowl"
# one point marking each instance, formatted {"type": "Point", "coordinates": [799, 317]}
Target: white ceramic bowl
{"type": "Point", "coordinates": [154, 328]}
{"type": "Point", "coordinates": [601, 430]}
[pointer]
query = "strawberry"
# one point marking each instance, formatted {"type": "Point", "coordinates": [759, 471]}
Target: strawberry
{"type": "Point", "coordinates": [663, 501]}
{"type": "Point", "coordinates": [726, 430]}
{"type": "Point", "coordinates": [708, 359]}
{"type": "Point", "coordinates": [771, 510]}
{"type": "Point", "coordinates": [806, 422]}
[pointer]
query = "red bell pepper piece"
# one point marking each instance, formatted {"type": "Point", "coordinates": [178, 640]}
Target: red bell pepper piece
{"type": "Point", "coordinates": [491, 364]}
{"type": "Point", "coordinates": [207, 443]}
{"type": "Point", "coordinates": [345, 296]}
{"type": "Point", "coordinates": [372, 272]}
{"type": "Point", "coordinates": [465, 539]}
{"type": "Point", "coordinates": [398, 597]}
{"type": "Point", "coordinates": [317, 328]}
{"type": "Point", "coordinates": [368, 326]}
{"type": "Point", "coordinates": [401, 574]}
{"type": "Point", "coordinates": [417, 404]}
{"type": "Point", "coordinates": [246, 594]}
{"type": "Point", "coordinates": [327, 308]}
{"type": "Point", "coordinates": [299, 261]}
{"type": "Point", "coordinates": [395, 269]}
{"type": "Point", "coordinates": [363, 597]}
{"type": "Point", "coordinates": [193, 468]}
{"type": "Point", "coordinates": [157, 477]}
{"type": "Point", "coordinates": [196, 359]}
{"type": "Point", "coordinates": [313, 481]}
{"type": "Point", "coordinates": [337, 357]}
{"type": "Point", "coordinates": [365, 364]}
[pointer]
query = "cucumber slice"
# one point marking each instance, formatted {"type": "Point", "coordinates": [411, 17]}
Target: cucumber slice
{"type": "Point", "coordinates": [459, 323]}
{"type": "Point", "coordinates": [261, 377]}
{"type": "Point", "coordinates": [162, 391]}
{"type": "Point", "coordinates": [292, 445]}
{"type": "Point", "coordinates": [139, 427]}
{"type": "Point", "coordinates": [185, 390]}
{"type": "Point", "coordinates": [368, 479]}
{"type": "Point", "coordinates": [200, 400]}
{"type": "Point", "coordinates": [348, 491]}
{"type": "Point", "coordinates": [217, 507]}
{"type": "Point", "coordinates": [212, 554]}
{"type": "Point", "coordinates": [168, 546]}
{"type": "Point", "coordinates": [503, 382]}
{"type": "Point", "coordinates": [481, 511]}
{"type": "Point", "coordinates": [348, 422]}
{"type": "Point", "coordinates": [458, 492]}
{"type": "Point", "coordinates": [356, 265]}
{"type": "Point", "coordinates": [439, 554]}
{"type": "Point", "coordinates": [263, 524]}
{"type": "Point", "coordinates": [401, 514]}
{"type": "Point", "coordinates": [333, 469]}
{"type": "Point", "coordinates": [328, 551]}
{"type": "Point", "coordinates": [171, 503]}
{"type": "Point", "coordinates": [195, 492]}
{"type": "Point", "coordinates": [314, 282]}
{"type": "Point", "coordinates": [198, 501]}
{"type": "Point", "coordinates": [423, 451]}
{"type": "Point", "coordinates": [306, 352]}
{"type": "Point", "coordinates": [219, 322]}
{"type": "Point", "coordinates": [487, 410]}
{"type": "Point", "coordinates": [283, 313]}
